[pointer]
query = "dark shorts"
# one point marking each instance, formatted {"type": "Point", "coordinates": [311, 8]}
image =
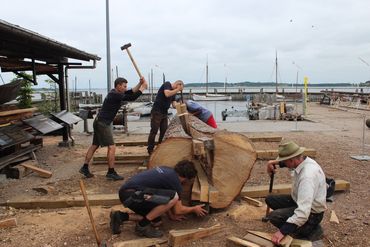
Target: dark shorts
{"type": "Point", "coordinates": [103, 135]}
{"type": "Point", "coordinates": [144, 207]}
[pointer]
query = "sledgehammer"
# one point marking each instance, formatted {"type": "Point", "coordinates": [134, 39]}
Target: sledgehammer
{"type": "Point", "coordinates": [125, 47]}
{"type": "Point", "coordinates": [101, 243]}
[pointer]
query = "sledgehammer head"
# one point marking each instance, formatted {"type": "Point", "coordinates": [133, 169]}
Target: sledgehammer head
{"type": "Point", "coordinates": [124, 47]}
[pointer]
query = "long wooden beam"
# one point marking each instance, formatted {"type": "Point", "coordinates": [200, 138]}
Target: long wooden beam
{"type": "Point", "coordinates": [65, 202]}
{"type": "Point", "coordinates": [263, 190]}
{"type": "Point", "coordinates": [252, 138]}
{"type": "Point", "coordinates": [112, 199]}
{"type": "Point", "coordinates": [119, 162]}
{"type": "Point", "coordinates": [124, 157]}
{"type": "Point", "coordinates": [261, 154]}
{"type": "Point", "coordinates": [272, 154]}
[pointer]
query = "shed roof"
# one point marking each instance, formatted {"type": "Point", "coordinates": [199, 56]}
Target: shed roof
{"type": "Point", "coordinates": [17, 44]}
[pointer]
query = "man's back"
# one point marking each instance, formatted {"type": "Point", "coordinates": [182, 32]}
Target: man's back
{"type": "Point", "coordinates": [162, 103]}
{"type": "Point", "coordinates": [161, 177]}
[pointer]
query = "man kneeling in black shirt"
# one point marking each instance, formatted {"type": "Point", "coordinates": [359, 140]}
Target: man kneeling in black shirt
{"type": "Point", "coordinates": [152, 193]}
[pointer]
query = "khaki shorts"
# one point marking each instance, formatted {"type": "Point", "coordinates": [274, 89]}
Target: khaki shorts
{"type": "Point", "coordinates": [103, 135]}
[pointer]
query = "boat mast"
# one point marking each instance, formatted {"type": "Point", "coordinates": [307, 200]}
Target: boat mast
{"type": "Point", "coordinates": [225, 77]}
{"type": "Point", "coordinates": [207, 77]}
{"type": "Point", "coordinates": [276, 73]}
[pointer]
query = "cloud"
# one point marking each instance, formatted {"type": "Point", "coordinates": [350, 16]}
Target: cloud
{"type": "Point", "coordinates": [324, 38]}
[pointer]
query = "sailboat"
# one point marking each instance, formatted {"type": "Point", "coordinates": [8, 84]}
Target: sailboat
{"type": "Point", "coordinates": [209, 96]}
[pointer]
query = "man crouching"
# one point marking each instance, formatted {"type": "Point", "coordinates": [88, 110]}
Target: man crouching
{"type": "Point", "coordinates": [300, 213]}
{"type": "Point", "coordinates": [152, 193]}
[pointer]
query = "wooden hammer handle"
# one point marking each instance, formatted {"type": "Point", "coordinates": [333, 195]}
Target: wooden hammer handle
{"type": "Point", "coordinates": [83, 190]}
{"type": "Point", "coordinates": [133, 62]}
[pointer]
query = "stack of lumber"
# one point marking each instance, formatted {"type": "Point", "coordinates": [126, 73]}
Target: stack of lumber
{"type": "Point", "coordinates": [7, 116]}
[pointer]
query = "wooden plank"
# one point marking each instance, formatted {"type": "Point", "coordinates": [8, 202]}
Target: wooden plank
{"type": "Point", "coordinates": [252, 201]}
{"type": "Point", "coordinates": [195, 191]}
{"type": "Point", "coordinates": [180, 237]}
{"type": "Point", "coordinates": [143, 242]}
{"type": "Point", "coordinates": [263, 190]}
{"type": "Point", "coordinates": [272, 153]}
{"type": "Point", "coordinates": [213, 194]}
{"type": "Point", "coordinates": [235, 242]}
{"type": "Point", "coordinates": [300, 243]}
{"type": "Point", "coordinates": [265, 138]}
{"type": "Point", "coordinates": [203, 182]}
{"type": "Point", "coordinates": [112, 199]}
{"type": "Point", "coordinates": [264, 235]}
{"type": "Point", "coordinates": [41, 172]}
{"type": "Point", "coordinates": [132, 143]}
{"type": "Point", "coordinates": [124, 157]}
{"type": "Point", "coordinates": [184, 119]}
{"type": "Point", "coordinates": [127, 143]}
{"type": "Point", "coordinates": [198, 147]}
{"type": "Point", "coordinates": [11, 222]}
{"type": "Point", "coordinates": [285, 242]}
{"type": "Point", "coordinates": [6, 160]}
{"type": "Point", "coordinates": [17, 111]}
{"type": "Point", "coordinates": [64, 202]}
{"type": "Point", "coordinates": [258, 240]}
{"type": "Point", "coordinates": [119, 162]}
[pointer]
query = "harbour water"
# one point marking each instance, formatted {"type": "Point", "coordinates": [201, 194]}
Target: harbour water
{"type": "Point", "coordinates": [246, 90]}
{"type": "Point", "coordinates": [216, 107]}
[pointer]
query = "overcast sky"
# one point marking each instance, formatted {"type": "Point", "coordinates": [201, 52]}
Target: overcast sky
{"type": "Point", "coordinates": [327, 41]}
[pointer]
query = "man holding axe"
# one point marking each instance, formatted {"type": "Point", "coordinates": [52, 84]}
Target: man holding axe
{"type": "Point", "coordinates": [300, 213]}
{"type": "Point", "coordinates": [158, 118]}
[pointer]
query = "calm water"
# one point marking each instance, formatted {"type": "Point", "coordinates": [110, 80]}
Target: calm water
{"type": "Point", "coordinates": [216, 107]}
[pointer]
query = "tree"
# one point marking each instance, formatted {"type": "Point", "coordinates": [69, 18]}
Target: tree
{"type": "Point", "coordinates": [25, 93]}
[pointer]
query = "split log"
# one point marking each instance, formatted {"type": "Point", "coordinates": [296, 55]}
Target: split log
{"type": "Point", "coordinates": [232, 160]}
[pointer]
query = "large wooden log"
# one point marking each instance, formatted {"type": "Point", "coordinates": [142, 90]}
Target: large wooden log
{"type": "Point", "coordinates": [233, 156]}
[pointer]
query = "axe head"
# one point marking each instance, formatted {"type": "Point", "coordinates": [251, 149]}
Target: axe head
{"type": "Point", "coordinates": [124, 47]}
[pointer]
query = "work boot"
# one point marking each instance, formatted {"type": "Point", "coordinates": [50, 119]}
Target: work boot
{"type": "Point", "coordinates": [86, 172]}
{"type": "Point", "coordinates": [148, 231]}
{"type": "Point", "coordinates": [316, 234]}
{"type": "Point", "coordinates": [115, 222]}
{"type": "Point", "coordinates": [113, 176]}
